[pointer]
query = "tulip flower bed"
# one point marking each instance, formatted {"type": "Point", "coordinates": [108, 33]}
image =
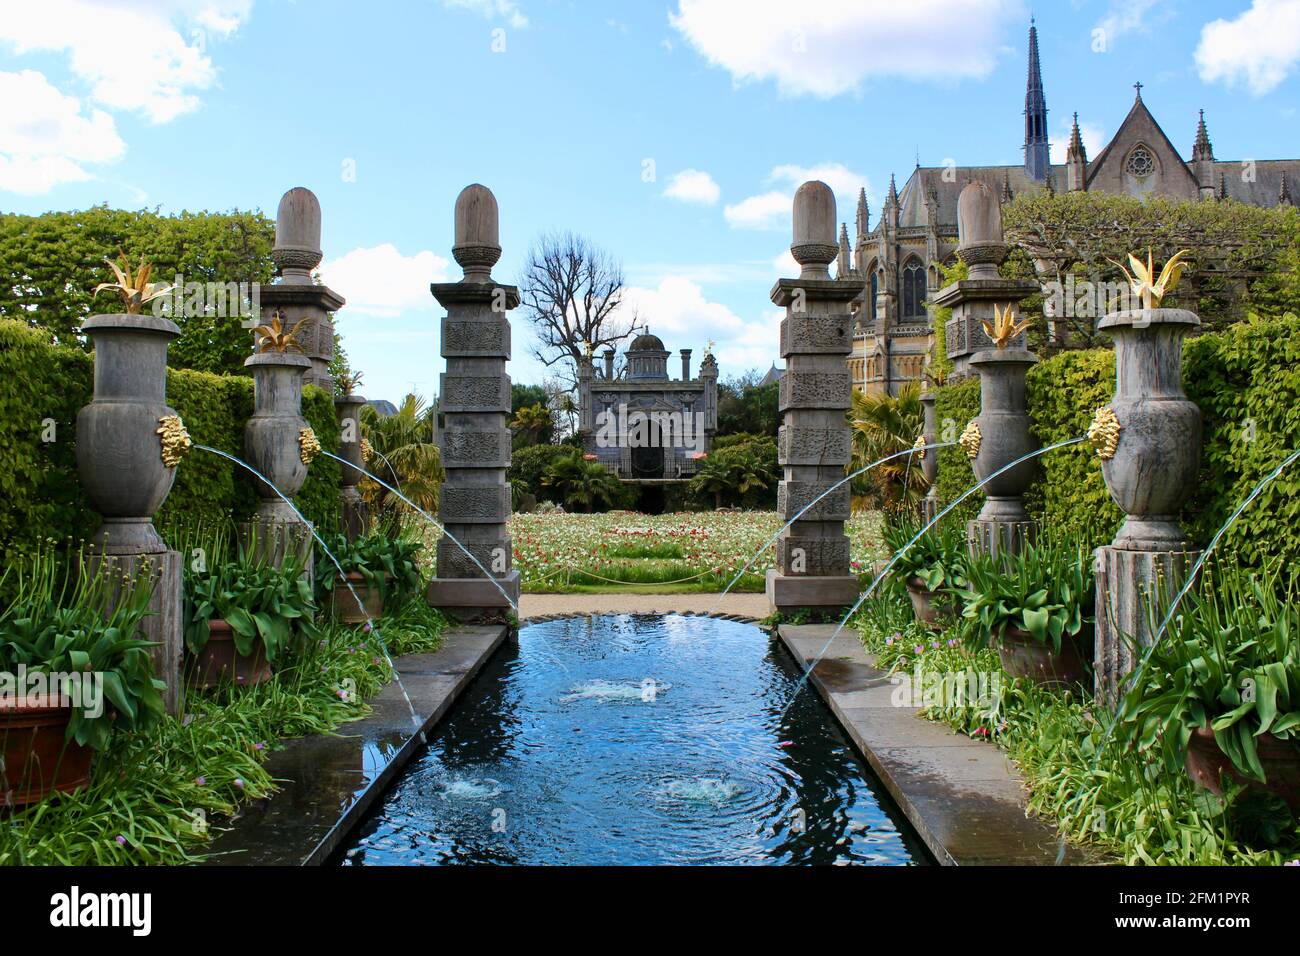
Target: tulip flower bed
{"type": "Point", "coordinates": [686, 551]}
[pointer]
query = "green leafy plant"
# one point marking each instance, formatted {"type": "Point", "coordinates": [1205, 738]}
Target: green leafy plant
{"type": "Point", "coordinates": [1230, 661]}
{"type": "Point", "coordinates": [70, 619]}
{"type": "Point", "coordinates": [387, 559]}
{"type": "Point", "coordinates": [937, 556]}
{"type": "Point", "coordinates": [1045, 589]}
{"type": "Point", "coordinates": [260, 602]}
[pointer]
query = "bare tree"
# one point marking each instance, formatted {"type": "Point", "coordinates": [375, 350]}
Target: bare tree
{"type": "Point", "coordinates": [573, 292]}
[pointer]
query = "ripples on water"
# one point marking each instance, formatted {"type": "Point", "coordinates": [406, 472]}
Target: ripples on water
{"type": "Point", "coordinates": [635, 740]}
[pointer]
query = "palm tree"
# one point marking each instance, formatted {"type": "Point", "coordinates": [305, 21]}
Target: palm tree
{"type": "Point", "coordinates": [534, 421]}
{"type": "Point", "coordinates": [582, 483]}
{"type": "Point", "coordinates": [884, 425]}
{"type": "Point", "coordinates": [406, 456]}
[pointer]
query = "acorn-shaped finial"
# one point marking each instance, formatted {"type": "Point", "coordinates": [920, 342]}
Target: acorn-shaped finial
{"type": "Point", "coordinates": [478, 242]}
{"type": "Point", "coordinates": [297, 235]}
{"type": "Point", "coordinates": [814, 246]}
{"type": "Point", "coordinates": [979, 230]}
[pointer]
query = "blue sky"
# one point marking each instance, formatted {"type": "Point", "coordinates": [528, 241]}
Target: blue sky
{"type": "Point", "coordinates": [672, 134]}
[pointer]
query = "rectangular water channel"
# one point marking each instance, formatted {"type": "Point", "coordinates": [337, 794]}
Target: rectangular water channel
{"type": "Point", "coordinates": [636, 740]}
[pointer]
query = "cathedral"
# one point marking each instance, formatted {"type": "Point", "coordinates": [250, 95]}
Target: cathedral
{"type": "Point", "coordinates": [897, 259]}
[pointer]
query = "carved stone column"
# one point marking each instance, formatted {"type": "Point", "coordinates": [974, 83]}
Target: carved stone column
{"type": "Point", "coordinates": [1149, 440]}
{"type": "Point", "coordinates": [475, 401]}
{"type": "Point", "coordinates": [812, 555]}
{"type": "Point", "coordinates": [982, 249]}
{"type": "Point", "coordinates": [129, 442]}
{"type": "Point", "coordinates": [354, 516]}
{"type": "Point", "coordinates": [296, 253]}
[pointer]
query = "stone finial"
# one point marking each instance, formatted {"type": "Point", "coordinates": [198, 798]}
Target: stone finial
{"type": "Point", "coordinates": [814, 246]}
{"type": "Point", "coordinates": [979, 230]}
{"type": "Point", "coordinates": [297, 235]}
{"type": "Point", "coordinates": [478, 242]}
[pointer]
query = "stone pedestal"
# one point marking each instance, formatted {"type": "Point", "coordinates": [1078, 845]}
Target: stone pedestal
{"type": "Point", "coordinates": [1149, 467]}
{"type": "Point", "coordinates": [812, 555]}
{"type": "Point", "coordinates": [354, 515]}
{"type": "Point", "coordinates": [164, 625]}
{"type": "Point", "coordinates": [983, 249]}
{"type": "Point", "coordinates": [1134, 589]}
{"type": "Point", "coordinates": [475, 575]}
{"type": "Point", "coordinates": [296, 296]}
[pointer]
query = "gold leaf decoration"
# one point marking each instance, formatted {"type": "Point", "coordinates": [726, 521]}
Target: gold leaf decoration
{"type": "Point", "coordinates": [970, 439]}
{"type": "Point", "coordinates": [275, 336]}
{"type": "Point", "coordinates": [918, 446]}
{"type": "Point", "coordinates": [175, 439]}
{"type": "Point", "coordinates": [1004, 326]}
{"type": "Point", "coordinates": [308, 445]}
{"type": "Point", "coordinates": [1149, 289]}
{"type": "Point", "coordinates": [1103, 433]}
{"type": "Point", "coordinates": [134, 287]}
{"type": "Point", "coordinates": [367, 450]}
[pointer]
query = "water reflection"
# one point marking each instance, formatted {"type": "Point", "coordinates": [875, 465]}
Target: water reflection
{"type": "Point", "coordinates": [658, 740]}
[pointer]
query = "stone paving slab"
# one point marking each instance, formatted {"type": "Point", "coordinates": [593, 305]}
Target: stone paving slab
{"type": "Point", "coordinates": [964, 797]}
{"type": "Point", "coordinates": [328, 782]}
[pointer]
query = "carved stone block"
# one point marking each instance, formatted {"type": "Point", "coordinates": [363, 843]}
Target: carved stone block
{"type": "Point", "coordinates": [494, 555]}
{"type": "Point", "coordinates": [801, 389]}
{"type": "Point", "coordinates": [476, 338]}
{"type": "Point", "coordinates": [813, 446]}
{"type": "Point", "coordinates": [474, 393]}
{"type": "Point", "coordinates": [474, 504]}
{"type": "Point", "coordinates": [816, 335]}
{"type": "Point", "coordinates": [793, 496]}
{"type": "Point", "coordinates": [475, 448]}
{"type": "Point", "coordinates": [801, 554]}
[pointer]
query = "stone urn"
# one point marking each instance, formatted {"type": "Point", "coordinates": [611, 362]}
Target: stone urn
{"type": "Point", "coordinates": [119, 450]}
{"type": "Point", "coordinates": [1152, 467]}
{"type": "Point", "coordinates": [1004, 435]}
{"type": "Point", "coordinates": [271, 437]}
{"type": "Point", "coordinates": [351, 505]}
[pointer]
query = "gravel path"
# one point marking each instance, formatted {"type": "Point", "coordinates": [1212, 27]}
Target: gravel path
{"type": "Point", "coordinates": [545, 605]}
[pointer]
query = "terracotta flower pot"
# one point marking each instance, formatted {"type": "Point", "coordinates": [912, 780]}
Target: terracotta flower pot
{"type": "Point", "coordinates": [930, 607]}
{"type": "Point", "coordinates": [220, 660]}
{"type": "Point", "coordinates": [1023, 656]}
{"type": "Point", "coordinates": [38, 758]}
{"type": "Point", "coordinates": [345, 605]}
{"type": "Point", "coordinates": [1206, 763]}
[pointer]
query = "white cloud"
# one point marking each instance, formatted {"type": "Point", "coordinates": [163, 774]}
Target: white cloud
{"type": "Point", "coordinates": [764, 211]}
{"type": "Point", "coordinates": [772, 209]}
{"type": "Point", "coordinates": [508, 10]}
{"type": "Point", "coordinates": [1125, 16]}
{"type": "Point", "coordinates": [784, 265]}
{"type": "Point", "coordinates": [1093, 135]}
{"type": "Point", "coordinates": [380, 281]}
{"type": "Point", "coordinates": [678, 311]}
{"type": "Point", "coordinates": [693, 185]}
{"type": "Point", "coordinates": [131, 52]}
{"type": "Point", "coordinates": [46, 136]}
{"type": "Point", "coordinates": [1261, 46]}
{"type": "Point", "coordinates": [831, 47]}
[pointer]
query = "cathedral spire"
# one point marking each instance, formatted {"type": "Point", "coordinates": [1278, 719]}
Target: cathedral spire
{"type": "Point", "coordinates": [864, 213]}
{"type": "Point", "coordinates": [1076, 160]}
{"type": "Point", "coordinates": [1037, 149]}
{"type": "Point", "coordinates": [1006, 186]}
{"type": "Point", "coordinates": [1284, 193]}
{"type": "Point", "coordinates": [1201, 149]}
{"type": "Point", "coordinates": [842, 267]}
{"type": "Point", "coordinates": [891, 197]}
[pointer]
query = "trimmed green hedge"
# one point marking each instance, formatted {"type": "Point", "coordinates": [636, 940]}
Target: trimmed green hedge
{"type": "Point", "coordinates": [1246, 380]}
{"type": "Point", "coordinates": [954, 406]}
{"type": "Point", "coordinates": [42, 387]}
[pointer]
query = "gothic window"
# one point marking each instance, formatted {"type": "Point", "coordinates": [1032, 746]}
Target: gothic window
{"type": "Point", "coordinates": [1140, 162]}
{"type": "Point", "coordinates": [914, 290]}
{"type": "Point", "coordinates": [875, 287]}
